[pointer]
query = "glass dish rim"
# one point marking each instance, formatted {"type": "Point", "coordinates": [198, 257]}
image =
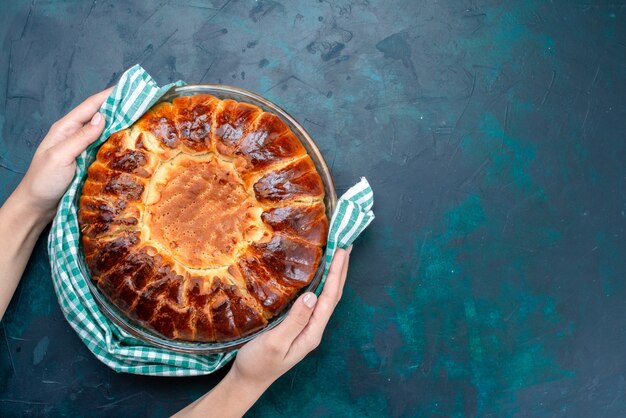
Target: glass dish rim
{"type": "Point", "coordinates": [149, 337]}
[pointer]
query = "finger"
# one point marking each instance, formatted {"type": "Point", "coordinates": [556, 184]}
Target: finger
{"type": "Point", "coordinates": [344, 273]}
{"type": "Point", "coordinates": [328, 298]}
{"type": "Point", "coordinates": [82, 113]}
{"type": "Point", "coordinates": [333, 280]}
{"type": "Point", "coordinates": [296, 320]}
{"type": "Point", "coordinates": [71, 147]}
{"type": "Point", "coordinates": [312, 334]}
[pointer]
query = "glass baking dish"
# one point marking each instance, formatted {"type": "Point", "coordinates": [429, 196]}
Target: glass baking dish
{"type": "Point", "coordinates": [330, 200]}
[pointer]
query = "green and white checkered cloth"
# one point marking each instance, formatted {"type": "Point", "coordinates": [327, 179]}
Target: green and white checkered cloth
{"type": "Point", "coordinates": [135, 93]}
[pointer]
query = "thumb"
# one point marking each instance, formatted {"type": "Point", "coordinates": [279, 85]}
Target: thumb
{"type": "Point", "coordinates": [76, 143]}
{"type": "Point", "coordinates": [297, 319]}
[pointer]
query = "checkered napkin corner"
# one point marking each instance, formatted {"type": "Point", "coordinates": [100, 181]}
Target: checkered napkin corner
{"type": "Point", "coordinates": [351, 216]}
{"type": "Point", "coordinates": [135, 93]}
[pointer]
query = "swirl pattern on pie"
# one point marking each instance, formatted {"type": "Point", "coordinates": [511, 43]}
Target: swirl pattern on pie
{"type": "Point", "coordinates": [204, 219]}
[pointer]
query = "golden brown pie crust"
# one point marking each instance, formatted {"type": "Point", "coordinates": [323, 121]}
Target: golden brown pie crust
{"type": "Point", "coordinates": [204, 219]}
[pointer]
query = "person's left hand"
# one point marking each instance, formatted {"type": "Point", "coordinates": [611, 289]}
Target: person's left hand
{"type": "Point", "coordinates": [53, 164]}
{"type": "Point", "coordinates": [264, 359]}
{"type": "Point", "coordinates": [268, 356]}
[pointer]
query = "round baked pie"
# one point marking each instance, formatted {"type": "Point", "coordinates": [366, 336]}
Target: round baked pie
{"type": "Point", "coordinates": [204, 219]}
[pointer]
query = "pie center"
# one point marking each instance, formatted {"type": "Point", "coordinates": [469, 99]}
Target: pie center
{"type": "Point", "coordinates": [198, 210]}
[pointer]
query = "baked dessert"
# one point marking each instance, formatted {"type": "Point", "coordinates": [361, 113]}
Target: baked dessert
{"type": "Point", "coordinates": [204, 219]}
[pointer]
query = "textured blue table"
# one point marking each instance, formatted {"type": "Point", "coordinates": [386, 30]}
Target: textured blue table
{"type": "Point", "coordinates": [492, 282]}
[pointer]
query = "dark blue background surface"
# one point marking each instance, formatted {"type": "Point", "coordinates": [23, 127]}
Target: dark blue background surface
{"type": "Point", "coordinates": [491, 282]}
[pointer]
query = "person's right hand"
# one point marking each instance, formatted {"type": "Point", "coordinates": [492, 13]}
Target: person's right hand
{"type": "Point", "coordinates": [271, 354]}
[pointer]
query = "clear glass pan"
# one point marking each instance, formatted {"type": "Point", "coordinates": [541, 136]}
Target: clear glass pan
{"type": "Point", "coordinates": [330, 200]}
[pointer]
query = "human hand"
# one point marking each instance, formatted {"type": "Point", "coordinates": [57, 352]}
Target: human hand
{"type": "Point", "coordinates": [264, 359]}
{"type": "Point", "coordinates": [33, 203]}
{"type": "Point", "coordinates": [53, 165]}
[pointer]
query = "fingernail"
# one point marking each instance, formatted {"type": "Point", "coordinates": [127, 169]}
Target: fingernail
{"type": "Point", "coordinates": [95, 120]}
{"type": "Point", "coordinates": [309, 300]}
